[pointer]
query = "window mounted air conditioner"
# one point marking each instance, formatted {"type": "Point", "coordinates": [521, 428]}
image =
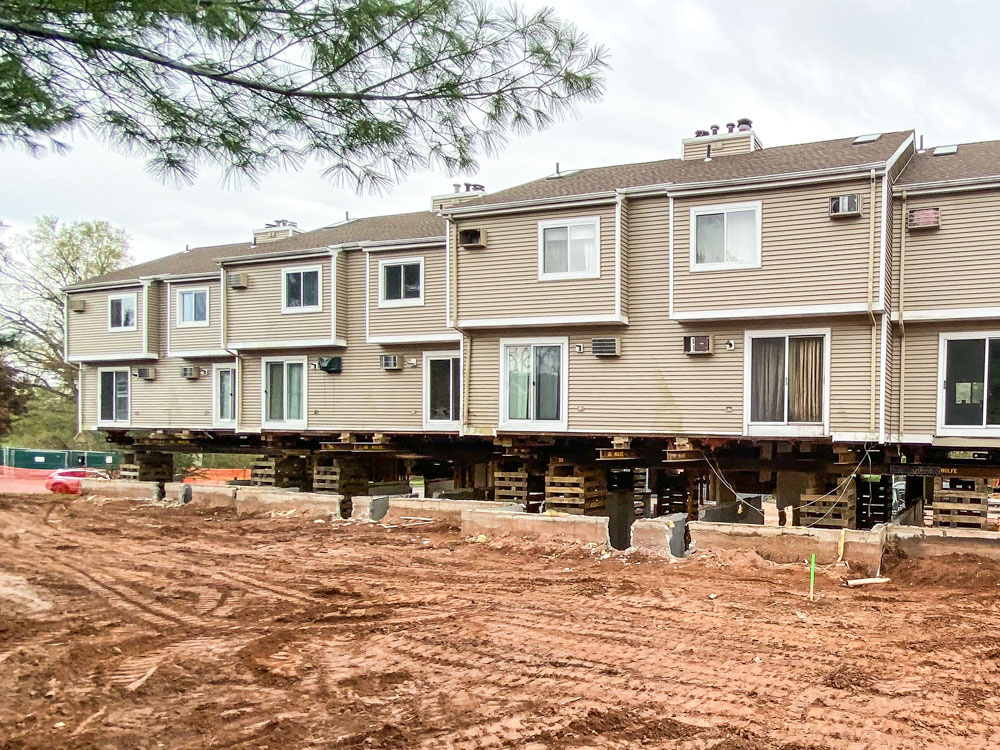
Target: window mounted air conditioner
{"type": "Point", "coordinates": [845, 205]}
{"type": "Point", "coordinates": [390, 362]}
{"type": "Point", "coordinates": [145, 373]}
{"type": "Point", "coordinates": [610, 346]}
{"type": "Point", "coordinates": [238, 280]}
{"type": "Point", "coordinates": [76, 305]}
{"type": "Point", "coordinates": [697, 344]}
{"type": "Point", "coordinates": [191, 373]}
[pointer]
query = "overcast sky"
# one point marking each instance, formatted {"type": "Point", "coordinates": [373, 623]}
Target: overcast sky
{"type": "Point", "coordinates": [801, 70]}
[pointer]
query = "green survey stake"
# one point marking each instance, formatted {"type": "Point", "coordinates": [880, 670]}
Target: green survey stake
{"type": "Point", "coordinates": [812, 574]}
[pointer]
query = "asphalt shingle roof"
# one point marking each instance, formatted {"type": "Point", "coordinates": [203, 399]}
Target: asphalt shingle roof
{"type": "Point", "coordinates": [970, 161]}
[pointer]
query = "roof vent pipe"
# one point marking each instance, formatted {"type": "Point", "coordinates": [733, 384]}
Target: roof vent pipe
{"type": "Point", "coordinates": [715, 130]}
{"type": "Point", "coordinates": [744, 124]}
{"type": "Point", "coordinates": [921, 150]}
{"type": "Point", "coordinates": [708, 152]}
{"type": "Point", "coordinates": [731, 126]}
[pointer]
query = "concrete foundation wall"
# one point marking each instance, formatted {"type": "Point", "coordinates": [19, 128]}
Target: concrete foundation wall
{"type": "Point", "coordinates": [256, 500]}
{"type": "Point", "coordinates": [449, 511]}
{"type": "Point", "coordinates": [662, 536]}
{"type": "Point", "coordinates": [208, 495]}
{"type": "Point", "coordinates": [581, 529]}
{"type": "Point", "coordinates": [917, 542]}
{"type": "Point", "coordinates": [862, 549]}
{"type": "Point", "coordinates": [121, 488]}
{"type": "Point", "coordinates": [747, 511]}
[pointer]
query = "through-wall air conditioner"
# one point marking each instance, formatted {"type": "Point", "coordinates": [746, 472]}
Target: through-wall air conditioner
{"type": "Point", "coordinates": [145, 373]}
{"type": "Point", "coordinates": [390, 362]}
{"type": "Point", "coordinates": [923, 218]}
{"type": "Point", "coordinates": [76, 305]}
{"type": "Point", "coordinates": [610, 346]}
{"type": "Point", "coordinates": [191, 373]}
{"type": "Point", "coordinates": [332, 365]}
{"type": "Point", "coordinates": [697, 344]}
{"type": "Point", "coordinates": [845, 205]}
{"type": "Point", "coordinates": [473, 237]}
{"type": "Point", "coordinates": [238, 280]}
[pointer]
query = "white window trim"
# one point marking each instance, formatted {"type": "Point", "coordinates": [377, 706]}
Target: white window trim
{"type": "Point", "coordinates": [216, 420]}
{"type": "Point", "coordinates": [944, 430]}
{"type": "Point", "coordinates": [717, 208]}
{"type": "Point", "coordinates": [784, 429]}
{"type": "Point", "coordinates": [287, 424]}
{"type": "Point", "coordinates": [135, 306]}
{"type": "Point", "coordinates": [319, 289]}
{"type": "Point", "coordinates": [440, 425]}
{"type": "Point", "coordinates": [568, 222]}
{"type": "Point", "coordinates": [382, 301]}
{"type": "Point", "coordinates": [119, 423]}
{"type": "Point", "coordinates": [533, 425]}
{"type": "Point", "coordinates": [180, 322]}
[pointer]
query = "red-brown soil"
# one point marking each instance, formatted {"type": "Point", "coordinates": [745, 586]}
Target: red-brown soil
{"type": "Point", "coordinates": [125, 626]}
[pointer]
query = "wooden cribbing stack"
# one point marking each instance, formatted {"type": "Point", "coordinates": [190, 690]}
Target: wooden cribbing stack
{"type": "Point", "coordinates": [571, 488]}
{"type": "Point", "coordinates": [961, 503]}
{"type": "Point", "coordinates": [836, 510]}
{"type": "Point", "coordinates": [262, 472]}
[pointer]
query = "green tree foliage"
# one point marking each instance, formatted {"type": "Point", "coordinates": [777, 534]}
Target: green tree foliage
{"type": "Point", "coordinates": [33, 268]}
{"type": "Point", "coordinates": [14, 390]}
{"type": "Point", "coordinates": [372, 88]}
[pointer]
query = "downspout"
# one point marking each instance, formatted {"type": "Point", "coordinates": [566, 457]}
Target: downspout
{"type": "Point", "coordinates": [223, 303]}
{"type": "Point", "coordinates": [902, 324]}
{"type": "Point", "coordinates": [871, 294]}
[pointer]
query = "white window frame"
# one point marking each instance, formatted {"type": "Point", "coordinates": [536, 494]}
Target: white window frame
{"type": "Point", "coordinates": [217, 421]}
{"type": "Point", "coordinates": [723, 208]}
{"type": "Point", "coordinates": [415, 302]}
{"type": "Point", "coordinates": [533, 425]}
{"type": "Point", "coordinates": [318, 307]}
{"type": "Point", "coordinates": [568, 222]}
{"type": "Point", "coordinates": [135, 306]}
{"type": "Point", "coordinates": [944, 430]}
{"type": "Point", "coordinates": [441, 425]}
{"type": "Point", "coordinates": [117, 422]}
{"type": "Point", "coordinates": [785, 429]}
{"type": "Point", "coordinates": [178, 301]}
{"type": "Point", "coordinates": [286, 424]}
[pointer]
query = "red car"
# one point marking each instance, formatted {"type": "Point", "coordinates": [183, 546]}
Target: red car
{"type": "Point", "coordinates": [67, 481]}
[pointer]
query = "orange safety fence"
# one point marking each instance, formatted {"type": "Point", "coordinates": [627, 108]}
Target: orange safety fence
{"type": "Point", "coordinates": [216, 476]}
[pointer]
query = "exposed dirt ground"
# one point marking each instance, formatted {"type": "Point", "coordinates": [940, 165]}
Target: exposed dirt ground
{"type": "Point", "coordinates": [125, 626]}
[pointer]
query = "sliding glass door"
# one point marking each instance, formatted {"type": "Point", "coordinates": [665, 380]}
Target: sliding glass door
{"type": "Point", "coordinates": [971, 382]}
{"type": "Point", "coordinates": [533, 384]}
{"type": "Point", "coordinates": [787, 379]}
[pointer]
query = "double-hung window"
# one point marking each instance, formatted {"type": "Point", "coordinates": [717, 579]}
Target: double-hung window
{"type": "Point", "coordinates": [113, 396]}
{"type": "Point", "coordinates": [401, 282]}
{"type": "Point", "coordinates": [302, 289]}
{"type": "Point", "coordinates": [569, 249]}
{"type": "Point", "coordinates": [969, 403]}
{"type": "Point", "coordinates": [192, 307]}
{"type": "Point", "coordinates": [285, 393]}
{"type": "Point", "coordinates": [534, 389]}
{"type": "Point", "coordinates": [442, 391]}
{"type": "Point", "coordinates": [787, 377]}
{"type": "Point", "coordinates": [725, 236]}
{"type": "Point", "coordinates": [121, 312]}
{"type": "Point", "coordinates": [224, 396]}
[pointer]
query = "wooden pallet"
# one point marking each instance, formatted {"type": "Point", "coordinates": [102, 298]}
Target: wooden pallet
{"type": "Point", "coordinates": [130, 472]}
{"type": "Point", "coordinates": [510, 486]}
{"type": "Point", "coordinates": [961, 510]}
{"type": "Point", "coordinates": [574, 486]}
{"type": "Point", "coordinates": [833, 511]}
{"type": "Point", "coordinates": [262, 472]}
{"type": "Point", "coordinates": [963, 484]}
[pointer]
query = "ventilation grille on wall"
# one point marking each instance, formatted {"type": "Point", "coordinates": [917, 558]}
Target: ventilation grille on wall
{"type": "Point", "coordinates": [923, 218]}
{"type": "Point", "coordinates": [610, 346]}
{"type": "Point", "coordinates": [237, 280]}
{"type": "Point", "coordinates": [76, 305]}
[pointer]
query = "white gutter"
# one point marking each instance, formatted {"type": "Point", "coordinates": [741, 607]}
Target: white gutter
{"type": "Point", "coordinates": [96, 287]}
{"type": "Point", "coordinates": [950, 186]}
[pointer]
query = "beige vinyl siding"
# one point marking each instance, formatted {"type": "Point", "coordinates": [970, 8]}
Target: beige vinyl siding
{"type": "Point", "coordinates": [955, 265]}
{"type": "Point", "coordinates": [87, 396]}
{"type": "Point", "coordinates": [890, 231]}
{"type": "Point", "coordinates": [194, 338]}
{"type": "Point", "coordinates": [88, 332]}
{"type": "Point", "coordinates": [807, 258]}
{"type": "Point", "coordinates": [501, 280]}
{"type": "Point", "coordinates": [428, 318]}
{"type": "Point", "coordinates": [155, 319]}
{"type": "Point", "coordinates": [346, 296]}
{"type": "Point", "coordinates": [740, 143]}
{"type": "Point", "coordinates": [895, 376]}
{"type": "Point", "coordinates": [361, 398]}
{"type": "Point", "coordinates": [254, 314]}
{"type": "Point", "coordinates": [655, 387]}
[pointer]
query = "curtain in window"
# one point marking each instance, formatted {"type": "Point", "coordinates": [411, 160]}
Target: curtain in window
{"type": "Point", "coordinates": [547, 366]}
{"type": "Point", "coordinates": [518, 381]}
{"type": "Point", "coordinates": [741, 226]}
{"type": "Point", "coordinates": [767, 378]}
{"type": "Point", "coordinates": [294, 374]}
{"type": "Point", "coordinates": [805, 379]}
{"type": "Point", "coordinates": [582, 248]}
{"type": "Point", "coordinates": [710, 238]}
{"type": "Point", "coordinates": [276, 391]}
{"type": "Point", "coordinates": [556, 250]}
